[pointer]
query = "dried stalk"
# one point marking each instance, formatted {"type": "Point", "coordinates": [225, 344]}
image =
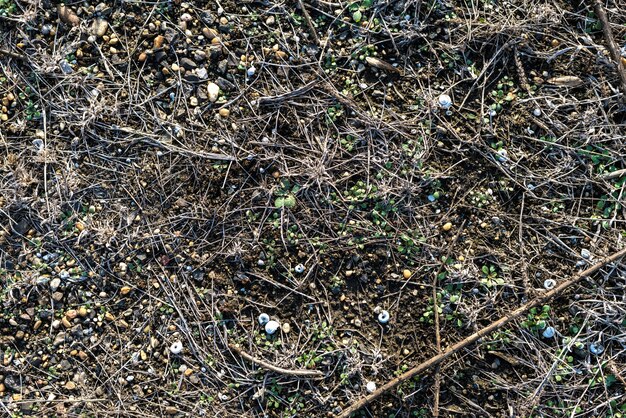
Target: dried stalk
{"type": "Point", "coordinates": [289, 372]}
{"type": "Point", "coordinates": [610, 40]}
{"type": "Point", "coordinates": [494, 326]}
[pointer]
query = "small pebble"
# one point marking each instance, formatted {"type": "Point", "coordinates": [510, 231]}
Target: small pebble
{"type": "Point", "coordinates": [537, 112]}
{"type": "Point", "coordinates": [55, 283]}
{"type": "Point", "coordinates": [383, 317]}
{"type": "Point", "coordinates": [549, 332]}
{"type": "Point", "coordinates": [549, 284]}
{"type": "Point", "coordinates": [445, 101]}
{"type": "Point", "coordinates": [299, 268]}
{"type": "Point", "coordinates": [370, 386]}
{"type": "Point", "coordinates": [213, 91]}
{"type": "Point", "coordinates": [447, 226]}
{"type": "Point", "coordinates": [596, 348]}
{"type": "Point", "coordinates": [286, 328]}
{"type": "Point", "coordinates": [271, 327]}
{"type": "Point", "coordinates": [176, 347]}
{"type": "Point", "coordinates": [158, 41]}
{"type": "Point", "coordinates": [263, 319]}
{"type": "Point", "coordinates": [406, 273]}
{"type": "Point", "coordinates": [584, 253]}
{"type": "Point", "coordinates": [224, 112]}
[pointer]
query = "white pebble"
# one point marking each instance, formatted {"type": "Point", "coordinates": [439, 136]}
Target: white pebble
{"type": "Point", "coordinates": [176, 348]}
{"type": "Point", "coordinates": [299, 269]}
{"type": "Point", "coordinates": [263, 319]}
{"type": "Point", "coordinates": [271, 327]}
{"type": "Point", "coordinates": [383, 317]}
{"type": "Point", "coordinates": [584, 253]}
{"type": "Point", "coordinates": [549, 332]}
{"type": "Point", "coordinates": [213, 91]}
{"type": "Point", "coordinates": [445, 101]}
{"type": "Point", "coordinates": [549, 284]}
{"type": "Point", "coordinates": [251, 71]}
{"type": "Point", "coordinates": [370, 386]}
{"type": "Point", "coordinates": [537, 112]}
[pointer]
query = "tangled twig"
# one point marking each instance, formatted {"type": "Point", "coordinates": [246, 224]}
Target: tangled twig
{"type": "Point", "coordinates": [268, 366]}
{"type": "Point", "coordinates": [494, 326]}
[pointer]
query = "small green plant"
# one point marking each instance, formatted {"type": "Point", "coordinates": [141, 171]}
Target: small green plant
{"type": "Point", "coordinates": [32, 111]}
{"type": "Point", "coordinates": [308, 359]}
{"type": "Point", "coordinates": [409, 243]}
{"type": "Point", "coordinates": [7, 7]}
{"type": "Point", "coordinates": [358, 8]}
{"type": "Point", "coordinates": [286, 194]}
{"type": "Point", "coordinates": [504, 93]}
{"type": "Point", "coordinates": [482, 198]}
{"type": "Point", "coordinates": [333, 113]}
{"type": "Point", "coordinates": [490, 276]}
{"type": "Point", "coordinates": [537, 318]}
{"type": "Point", "coordinates": [348, 142]}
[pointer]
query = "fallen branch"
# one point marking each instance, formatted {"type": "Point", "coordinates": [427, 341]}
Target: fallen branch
{"type": "Point", "coordinates": [12, 54]}
{"type": "Point", "coordinates": [610, 40]}
{"type": "Point", "coordinates": [277, 100]}
{"type": "Point", "coordinates": [309, 22]}
{"type": "Point", "coordinates": [268, 366]}
{"type": "Point", "coordinates": [494, 326]}
{"type": "Point", "coordinates": [613, 174]}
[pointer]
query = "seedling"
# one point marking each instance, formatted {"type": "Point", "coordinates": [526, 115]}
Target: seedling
{"type": "Point", "coordinates": [490, 276]}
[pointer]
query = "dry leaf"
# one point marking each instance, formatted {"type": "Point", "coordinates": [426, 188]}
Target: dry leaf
{"type": "Point", "coordinates": [380, 64]}
{"type": "Point", "coordinates": [67, 15]}
{"type": "Point", "coordinates": [566, 81]}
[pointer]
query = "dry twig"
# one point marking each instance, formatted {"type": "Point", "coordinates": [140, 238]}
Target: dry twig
{"type": "Point", "coordinates": [268, 366]}
{"type": "Point", "coordinates": [435, 360]}
{"type": "Point", "coordinates": [610, 40]}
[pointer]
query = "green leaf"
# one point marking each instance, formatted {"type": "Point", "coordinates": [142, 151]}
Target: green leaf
{"type": "Point", "coordinates": [610, 379]}
{"type": "Point", "coordinates": [485, 270]}
{"type": "Point", "coordinates": [288, 201]}
{"type": "Point", "coordinates": [356, 16]}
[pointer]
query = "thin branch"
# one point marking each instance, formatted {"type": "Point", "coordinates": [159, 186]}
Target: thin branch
{"type": "Point", "coordinates": [610, 40]}
{"type": "Point", "coordinates": [280, 370]}
{"type": "Point", "coordinates": [494, 326]}
{"type": "Point", "coordinates": [309, 22]}
{"type": "Point", "coordinates": [12, 54]}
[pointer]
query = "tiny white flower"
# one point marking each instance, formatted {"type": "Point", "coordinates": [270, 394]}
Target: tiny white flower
{"type": "Point", "coordinates": [299, 268]}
